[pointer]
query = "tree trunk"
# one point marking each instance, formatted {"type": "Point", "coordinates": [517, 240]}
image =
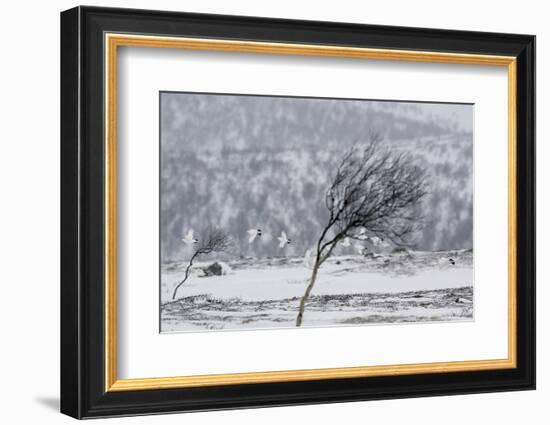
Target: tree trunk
{"type": "Point", "coordinates": [187, 270]}
{"type": "Point", "coordinates": [306, 294]}
{"type": "Point", "coordinates": [319, 260]}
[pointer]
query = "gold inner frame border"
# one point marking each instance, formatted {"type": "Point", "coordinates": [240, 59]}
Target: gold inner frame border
{"type": "Point", "coordinates": [113, 40]}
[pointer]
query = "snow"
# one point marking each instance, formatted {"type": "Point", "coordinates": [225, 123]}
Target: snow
{"type": "Point", "coordinates": [288, 282]}
{"type": "Point", "coordinates": [265, 292]}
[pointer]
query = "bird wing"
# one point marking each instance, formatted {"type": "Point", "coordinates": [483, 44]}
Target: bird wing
{"type": "Point", "coordinates": [252, 237]}
{"type": "Point", "coordinates": [281, 242]}
{"type": "Point", "coordinates": [308, 258]}
{"type": "Point", "coordinates": [283, 235]}
{"type": "Point", "coordinates": [189, 235]}
{"type": "Point", "coordinates": [252, 231]}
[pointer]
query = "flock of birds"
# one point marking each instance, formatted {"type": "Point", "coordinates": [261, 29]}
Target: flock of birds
{"type": "Point", "coordinates": [256, 233]}
{"type": "Point", "coordinates": [362, 236]}
{"type": "Point", "coordinates": [284, 240]}
{"type": "Point", "coordinates": [190, 238]}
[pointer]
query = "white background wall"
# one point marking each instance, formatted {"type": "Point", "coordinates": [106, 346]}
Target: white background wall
{"type": "Point", "coordinates": [29, 212]}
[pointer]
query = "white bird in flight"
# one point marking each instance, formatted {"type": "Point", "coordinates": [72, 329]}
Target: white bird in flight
{"type": "Point", "coordinates": [376, 240]}
{"type": "Point", "coordinates": [309, 259]}
{"type": "Point", "coordinates": [283, 240]}
{"type": "Point", "coordinates": [346, 242]}
{"type": "Point", "coordinates": [253, 233]}
{"type": "Point", "coordinates": [362, 234]}
{"type": "Point", "coordinates": [189, 238]}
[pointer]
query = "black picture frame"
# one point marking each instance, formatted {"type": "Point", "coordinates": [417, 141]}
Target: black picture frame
{"type": "Point", "coordinates": [83, 392]}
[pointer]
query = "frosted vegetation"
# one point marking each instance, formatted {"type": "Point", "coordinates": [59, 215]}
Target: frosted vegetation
{"type": "Point", "coordinates": [404, 287]}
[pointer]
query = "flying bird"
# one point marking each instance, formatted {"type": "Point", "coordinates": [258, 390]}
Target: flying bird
{"type": "Point", "coordinates": [346, 242]}
{"type": "Point", "coordinates": [359, 248]}
{"type": "Point", "coordinates": [189, 238]}
{"type": "Point", "coordinates": [376, 240]}
{"type": "Point", "coordinates": [283, 240]}
{"type": "Point", "coordinates": [362, 234]}
{"type": "Point", "coordinates": [253, 233]}
{"type": "Point", "coordinates": [309, 259]}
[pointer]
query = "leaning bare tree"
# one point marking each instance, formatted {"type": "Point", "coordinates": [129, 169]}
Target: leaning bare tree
{"type": "Point", "coordinates": [375, 189]}
{"type": "Point", "coordinates": [214, 240]}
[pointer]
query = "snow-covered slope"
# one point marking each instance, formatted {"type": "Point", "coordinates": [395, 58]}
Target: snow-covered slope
{"type": "Point", "coordinates": [283, 189]}
{"type": "Point", "coordinates": [243, 162]}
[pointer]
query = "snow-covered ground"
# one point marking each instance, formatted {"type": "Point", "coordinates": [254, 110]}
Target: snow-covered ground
{"type": "Point", "coordinates": [265, 292]}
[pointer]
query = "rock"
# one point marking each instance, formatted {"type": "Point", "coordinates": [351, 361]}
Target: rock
{"type": "Point", "coordinates": [400, 250]}
{"type": "Point", "coordinates": [214, 269]}
{"type": "Point", "coordinates": [460, 300]}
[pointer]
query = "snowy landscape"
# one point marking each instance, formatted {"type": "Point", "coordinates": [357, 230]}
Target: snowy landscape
{"type": "Point", "coordinates": [284, 212]}
{"type": "Point", "coordinates": [352, 290]}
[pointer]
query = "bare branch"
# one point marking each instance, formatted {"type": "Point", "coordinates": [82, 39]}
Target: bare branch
{"type": "Point", "coordinates": [373, 188]}
{"type": "Point", "coordinates": [214, 240]}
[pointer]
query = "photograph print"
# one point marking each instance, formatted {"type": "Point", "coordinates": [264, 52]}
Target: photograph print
{"type": "Point", "coordinates": [290, 212]}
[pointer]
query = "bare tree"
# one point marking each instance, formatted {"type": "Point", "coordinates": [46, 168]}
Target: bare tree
{"type": "Point", "coordinates": [214, 240]}
{"type": "Point", "coordinates": [374, 189]}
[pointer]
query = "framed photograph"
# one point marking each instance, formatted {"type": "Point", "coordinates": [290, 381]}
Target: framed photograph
{"type": "Point", "coordinates": [261, 212]}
